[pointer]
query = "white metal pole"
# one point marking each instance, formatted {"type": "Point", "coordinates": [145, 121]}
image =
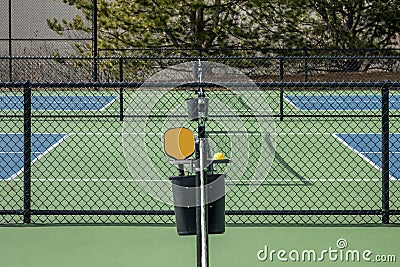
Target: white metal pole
{"type": "Point", "coordinates": [202, 240]}
{"type": "Point", "coordinates": [203, 203]}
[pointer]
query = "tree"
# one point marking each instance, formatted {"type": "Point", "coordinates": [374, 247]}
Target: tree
{"type": "Point", "coordinates": [338, 24]}
{"type": "Point", "coordinates": [182, 24]}
{"type": "Point", "coordinates": [355, 24]}
{"type": "Point", "coordinates": [233, 23]}
{"type": "Point", "coordinates": [124, 25]}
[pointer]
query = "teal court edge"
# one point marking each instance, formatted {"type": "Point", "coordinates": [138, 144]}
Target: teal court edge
{"type": "Point", "coordinates": [12, 154]}
{"type": "Point", "coordinates": [57, 103]}
{"type": "Point", "coordinates": [369, 147]}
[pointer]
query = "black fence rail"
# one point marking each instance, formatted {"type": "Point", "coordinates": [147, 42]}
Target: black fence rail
{"type": "Point", "coordinates": [69, 151]}
{"type": "Point", "coordinates": [260, 65]}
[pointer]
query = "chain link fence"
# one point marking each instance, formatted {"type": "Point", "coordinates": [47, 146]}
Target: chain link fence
{"type": "Point", "coordinates": [336, 147]}
{"type": "Point", "coordinates": [331, 118]}
{"type": "Point", "coordinates": [25, 33]}
{"type": "Point", "coordinates": [260, 65]}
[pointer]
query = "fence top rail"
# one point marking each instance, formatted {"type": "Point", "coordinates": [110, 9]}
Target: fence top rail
{"type": "Point", "coordinates": [147, 57]}
{"type": "Point", "coordinates": [200, 49]}
{"type": "Point", "coordinates": [198, 84]}
{"type": "Point", "coordinates": [48, 39]}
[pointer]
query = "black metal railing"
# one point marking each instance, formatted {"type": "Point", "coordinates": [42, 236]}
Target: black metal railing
{"type": "Point", "coordinates": [277, 66]}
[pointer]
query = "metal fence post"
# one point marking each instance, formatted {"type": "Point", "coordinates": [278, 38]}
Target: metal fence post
{"type": "Point", "coordinates": [385, 153]}
{"type": "Point", "coordinates": [121, 90]}
{"type": "Point", "coordinates": [121, 69]}
{"type": "Point", "coordinates": [281, 77]}
{"type": "Point", "coordinates": [10, 70]}
{"type": "Point", "coordinates": [94, 37]}
{"type": "Point", "coordinates": [306, 64]}
{"type": "Point", "coordinates": [281, 70]}
{"type": "Point", "coordinates": [27, 151]}
{"type": "Point", "coordinates": [281, 103]}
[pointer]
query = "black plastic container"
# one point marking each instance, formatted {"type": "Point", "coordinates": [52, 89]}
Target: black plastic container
{"type": "Point", "coordinates": [186, 216]}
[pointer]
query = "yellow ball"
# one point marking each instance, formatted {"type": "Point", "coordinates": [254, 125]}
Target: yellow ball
{"type": "Point", "coordinates": [219, 156]}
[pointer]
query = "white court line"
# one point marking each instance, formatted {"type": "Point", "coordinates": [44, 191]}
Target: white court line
{"type": "Point", "coordinates": [276, 180]}
{"type": "Point", "coordinates": [227, 181]}
{"type": "Point", "coordinates": [150, 133]}
{"type": "Point", "coordinates": [109, 104]}
{"type": "Point", "coordinates": [37, 158]}
{"type": "Point", "coordinates": [221, 133]}
{"type": "Point", "coordinates": [390, 152]}
{"type": "Point", "coordinates": [148, 111]}
{"type": "Point", "coordinates": [361, 155]}
{"type": "Point", "coordinates": [337, 101]}
{"type": "Point", "coordinates": [317, 133]}
{"type": "Point", "coordinates": [342, 109]}
{"type": "Point", "coordinates": [291, 103]}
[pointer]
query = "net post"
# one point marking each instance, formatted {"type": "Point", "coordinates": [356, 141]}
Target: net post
{"type": "Point", "coordinates": [27, 150]}
{"type": "Point", "coordinates": [121, 104]}
{"type": "Point", "coordinates": [385, 153]}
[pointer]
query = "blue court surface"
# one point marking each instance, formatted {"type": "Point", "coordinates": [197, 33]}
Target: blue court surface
{"type": "Point", "coordinates": [341, 102]}
{"type": "Point", "coordinates": [369, 147]}
{"type": "Point", "coordinates": [12, 151]}
{"type": "Point", "coordinates": [57, 103]}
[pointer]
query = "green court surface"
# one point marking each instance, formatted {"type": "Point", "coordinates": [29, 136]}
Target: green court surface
{"type": "Point", "coordinates": [148, 246]}
{"type": "Point", "coordinates": [311, 170]}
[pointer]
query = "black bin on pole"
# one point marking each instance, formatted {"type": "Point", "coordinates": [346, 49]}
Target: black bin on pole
{"type": "Point", "coordinates": [186, 215]}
